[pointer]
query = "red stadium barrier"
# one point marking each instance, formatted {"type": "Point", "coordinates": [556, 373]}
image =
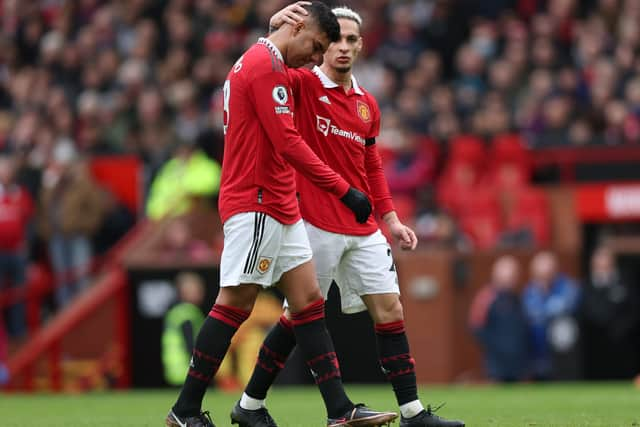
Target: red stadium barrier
{"type": "Point", "coordinates": [566, 159]}
{"type": "Point", "coordinates": [111, 284]}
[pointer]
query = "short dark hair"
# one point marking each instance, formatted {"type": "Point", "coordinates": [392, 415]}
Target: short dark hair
{"type": "Point", "coordinates": [326, 19]}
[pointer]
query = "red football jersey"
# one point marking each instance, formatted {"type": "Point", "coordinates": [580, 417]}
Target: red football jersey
{"type": "Point", "coordinates": [337, 125]}
{"type": "Point", "coordinates": [16, 209]}
{"type": "Point", "coordinates": [262, 143]}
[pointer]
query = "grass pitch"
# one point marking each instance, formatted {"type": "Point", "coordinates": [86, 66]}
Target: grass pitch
{"type": "Point", "coordinates": [558, 405]}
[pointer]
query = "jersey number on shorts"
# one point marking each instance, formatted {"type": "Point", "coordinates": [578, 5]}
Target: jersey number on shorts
{"type": "Point", "coordinates": [393, 264]}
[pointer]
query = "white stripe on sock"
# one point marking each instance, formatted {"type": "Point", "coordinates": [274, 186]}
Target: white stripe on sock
{"type": "Point", "coordinates": [411, 409]}
{"type": "Point", "coordinates": [248, 402]}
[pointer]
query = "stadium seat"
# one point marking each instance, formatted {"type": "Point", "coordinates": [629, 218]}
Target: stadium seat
{"type": "Point", "coordinates": [405, 208]}
{"type": "Point", "coordinates": [467, 149]}
{"type": "Point", "coordinates": [480, 220]}
{"type": "Point", "coordinates": [529, 210]}
{"type": "Point", "coordinates": [459, 178]}
{"type": "Point", "coordinates": [509, 163]}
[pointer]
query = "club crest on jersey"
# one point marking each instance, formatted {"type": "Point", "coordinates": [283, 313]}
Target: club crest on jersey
{"type": "Point", "coordinates": [323, 124]}
{"type": "Point", "coordinates": [363, 111]}
{"type": "Point", "coordinates": [280, 95]}
{"type": "Point", "coordinates": [263, 265]}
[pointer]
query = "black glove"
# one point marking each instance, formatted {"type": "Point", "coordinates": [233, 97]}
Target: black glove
{"type": "Point", "coordinates": [358, 203]}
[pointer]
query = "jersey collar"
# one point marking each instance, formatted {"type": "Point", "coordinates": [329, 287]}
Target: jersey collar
{"type": "Point", "coordinates": [328, 83]}
{"type": "Point", "coordinates": [272, 47]}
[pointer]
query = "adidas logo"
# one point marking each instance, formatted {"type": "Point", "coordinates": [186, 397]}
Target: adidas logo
{"type": "Point", "coordinates": [325, 99]}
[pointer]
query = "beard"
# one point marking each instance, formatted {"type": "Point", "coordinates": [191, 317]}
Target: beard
{"type": "Point", "coordinates": [342, 69]}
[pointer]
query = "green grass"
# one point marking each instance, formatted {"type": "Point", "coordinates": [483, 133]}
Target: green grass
{"type": "Point", "coordinates": [561, 405]}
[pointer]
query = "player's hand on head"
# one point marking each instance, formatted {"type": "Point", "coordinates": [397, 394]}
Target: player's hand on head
{"type": "Point", "coordinates": [291, 14]}
{"type": "Point", "coordinates": [358, 202]}
{"type": "Point", "coordinates": [404, 235]}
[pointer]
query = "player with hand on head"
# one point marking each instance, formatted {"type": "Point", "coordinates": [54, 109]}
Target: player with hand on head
{"type": "Point", "coordinates": [340, 121]}
{"type": "Point", "coordinates": [265, 242]}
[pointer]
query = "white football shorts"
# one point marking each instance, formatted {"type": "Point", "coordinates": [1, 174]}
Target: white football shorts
{"type": "Point", "coordinates": [259, 249]}
{"type": "Point", "coordinates": [360, 265]}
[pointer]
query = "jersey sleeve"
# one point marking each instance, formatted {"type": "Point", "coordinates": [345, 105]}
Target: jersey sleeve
{"type": "Point", "coordinates": [378, 186]}
{"type": "Point", "coordinates": [271, 98]}
{"type": "Point", "coordinates": [377, 182]}
{"type": "Point", "coordinates": [375, 118]}
{"type": "Point", "coordinates": [296, 77]}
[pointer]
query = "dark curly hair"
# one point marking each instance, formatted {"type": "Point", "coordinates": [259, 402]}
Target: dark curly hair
{"type": "Point", "coordinates": [326, 20]}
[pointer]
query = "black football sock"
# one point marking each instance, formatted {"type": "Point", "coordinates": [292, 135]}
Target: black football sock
{"type": "Point", "coordinates": [273, 354]}
{"type": "Point", "coordinates": [211, 346]}
{"type": "Point", "coordinates": [317, 348]}
{"type": "Point", "coordinates": [396, 361]}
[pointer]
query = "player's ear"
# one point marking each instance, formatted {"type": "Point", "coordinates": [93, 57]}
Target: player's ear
{"type": "Point", "coordinates": [298, 27]}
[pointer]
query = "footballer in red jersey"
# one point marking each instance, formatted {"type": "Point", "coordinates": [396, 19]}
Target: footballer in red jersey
{"type": "Point", "coordinates": [340, 121]}
{"type": "Point", "coordinates": [265, 242]}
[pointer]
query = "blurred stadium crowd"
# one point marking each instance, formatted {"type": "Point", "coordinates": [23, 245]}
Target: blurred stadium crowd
{"type": "Point", "coordinates": [467, 90]}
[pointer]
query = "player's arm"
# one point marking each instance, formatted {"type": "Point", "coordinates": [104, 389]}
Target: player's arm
{"type": "Point", "coordinates": [377, 181]}
{"type": "Point", "coordinates": [382, 197]}
{"type": "Point", "coordinates": [292, 14]}
{"type": "Point", "coordinates": [270, 94]}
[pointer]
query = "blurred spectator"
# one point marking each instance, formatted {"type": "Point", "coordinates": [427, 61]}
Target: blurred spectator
{"type": "Point", "coordinates": [187, 177]}
{"type": "Point", "coordinates": [551, 302]}
{"type": "Point", "coordinates": [401, 46]}
{"type": "Point", "coordinates": [118, 219]}
{"type": "Point", "coordinates": [4, 353]}
{"type": "Point", "coordinates": [469, 86]}
{"type": "Point", "coordinates": [554, 121]}
{"type": "Point", "coordinates": [609, 321]}
{"type": "Point", "coordinates": [411, 165]}
{"type": "Point", "coordinates": [190, 121]}
{"type": "Point", "coordinates": [16, 212]}
{"type": "Point", "coordinates": [72, 208]}
{"type": "Point", "coordinates": [179, 245]}
{"type": "Point", "coordinates": [434, 226]}
{"type": "Point", "coordinates": [498, 321]}
{"type": "Point", "coordinates": [156, 137]}
{"type": "Point", "coordinates": [181, 325]}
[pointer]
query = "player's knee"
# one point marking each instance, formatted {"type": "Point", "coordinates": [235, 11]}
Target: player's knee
{"type": "Point", "coordinates": [241, 297]}
{"type": "Point", "coordinates": [390, 310]}
{"type": "Point", "coordinates": [311, 297]}
{"type": "Point", "coordinates": [299, 303]}
{"type": "Point", "coordinates": [395, 311]}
